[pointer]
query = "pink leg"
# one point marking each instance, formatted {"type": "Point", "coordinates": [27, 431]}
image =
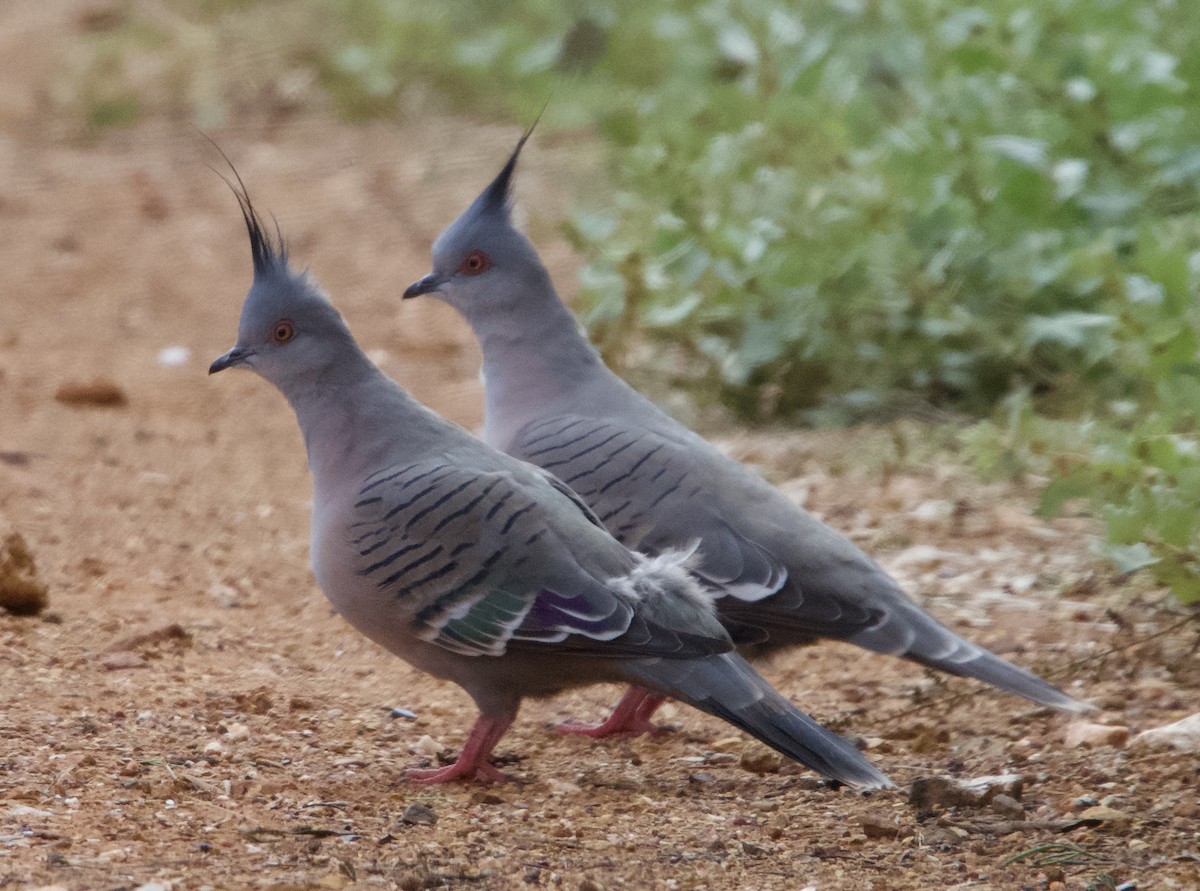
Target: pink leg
{"type": "Point", "coordinates": [631, 717]}
{"type": "Point", "coordinates": [472, 762]}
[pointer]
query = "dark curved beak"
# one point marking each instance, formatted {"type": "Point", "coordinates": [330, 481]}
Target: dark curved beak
{"type": "Point", "coordinates": [427, 285]}
{"type": "Point", "coordinates": [235, 356]}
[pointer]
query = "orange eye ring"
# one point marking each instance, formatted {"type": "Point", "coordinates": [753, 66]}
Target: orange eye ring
{"type": "Point", "coordinates": [475, 263]}
{"type": "Point", "coordinates": [283, 331]}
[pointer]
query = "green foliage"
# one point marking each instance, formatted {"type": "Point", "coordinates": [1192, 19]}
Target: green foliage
{"type": "Point", "coordinates": [1135, 462]}
{"type": "Point", "coordinates": [829, 206]}
{"type": "Point", "coordinates": [832, 208]}
{"type": "Point", "coordinates": [992, 207]}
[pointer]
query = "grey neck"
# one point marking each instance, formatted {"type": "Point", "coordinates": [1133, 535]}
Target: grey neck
{"type": "Point", "coordinates": [388, 425]}
{"type": "Point", "coordinates": [534, 361]}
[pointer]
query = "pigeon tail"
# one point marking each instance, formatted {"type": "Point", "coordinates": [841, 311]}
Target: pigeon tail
{"type": "Point", "coordinates": [1000, 673]}
{"type": "Point", "coordinates": [727, 687]}
{"type": "Point", "coordinates": [920, 638]}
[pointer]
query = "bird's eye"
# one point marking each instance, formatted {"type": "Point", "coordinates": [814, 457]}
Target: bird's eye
{"type": "Point", "coordinates": [283, 331]}
{"type": "Point", "coordinates": [475, 263]}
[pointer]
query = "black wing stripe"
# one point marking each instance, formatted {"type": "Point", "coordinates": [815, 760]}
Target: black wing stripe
{"type": "Point", "coordinates": [378, 530]}
{"type": "Point", "coordinates": [420, 476]}
{"type": "Point", "coordinates": [365, 552]}
{"type": "Point", "coordinates": [508, 524]}
{"type": "Point", "coordinates": [379, 482]}
{"type": "Point", "coordinates": [561, 430]}
{"type": "Point", "coordinates": [435, 505]}
{"type": "Point", "coordinates": [445, 600]}
{"type": "Point", "coordinates": [470, 505]}
{"type": "Point", "coordinates": [554, 447]}
{"type": "Point", "coordinates": [425, 579]}
{"type": "Point", "coordinates": [632, 470]}
{"type": "Point", "coordinates": [612, 513]}
{"type": "Point", "coordinates": [390, 558]}
{"type": "Point", "coordinates": [407, 504]}
{"type": "Point", "coordinates": [399, 573]}
{"type": "Point", "coordinates": [603, 461]}
{"type": "Point", "coordinates": [499, 504]}
{"type": "Point", "coordinates": [580, 454]}
{"type": "Point", "coordinates": [668, 491]}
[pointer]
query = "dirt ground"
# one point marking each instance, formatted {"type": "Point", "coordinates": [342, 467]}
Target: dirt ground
{"type": "Point", "coordinates": [189, 714]}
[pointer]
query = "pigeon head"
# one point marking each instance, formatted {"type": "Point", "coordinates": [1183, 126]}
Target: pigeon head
{"type": "Point", "coordinates": [481, 261]}
{"type": "Point", "coordinates": [289, 330]}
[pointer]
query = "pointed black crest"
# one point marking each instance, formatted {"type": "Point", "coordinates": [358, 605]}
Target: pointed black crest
{"type": "Point", "coordinates": [497, 197]}
{"type": "Point", "coordinates": [268, 253]}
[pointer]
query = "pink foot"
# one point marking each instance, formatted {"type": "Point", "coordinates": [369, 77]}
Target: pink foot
{"type": "Point", "coordinates": [480, 773]}
{"type": "Point", "coordinates": [631, 717]}
{"type": "Point", "coordinates": [472, 762]}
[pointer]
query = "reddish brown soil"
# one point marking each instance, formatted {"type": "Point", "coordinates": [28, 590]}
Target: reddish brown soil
{"type": "Point", "coordinates": [189, 713]}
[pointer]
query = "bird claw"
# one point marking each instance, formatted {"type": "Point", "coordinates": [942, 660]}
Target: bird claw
{"type": "Point", "coordinates": [479, 773]}
{"type": "Point", "coordinates": [631, 717]}
{"type": "Point", "coordinates": [609, 728]}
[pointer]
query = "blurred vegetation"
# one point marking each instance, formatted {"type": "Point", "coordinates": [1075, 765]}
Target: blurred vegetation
{"type": "Point", "coordinates": [837, 207]}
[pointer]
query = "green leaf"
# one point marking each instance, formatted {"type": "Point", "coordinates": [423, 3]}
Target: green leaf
{"type": "Point", "coordinates": [1131, 558]}
{"type": "Point", "coordinates": [1071, 329]}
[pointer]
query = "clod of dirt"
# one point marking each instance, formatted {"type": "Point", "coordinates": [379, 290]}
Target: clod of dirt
{"type": "Point", "coordinates": [874, 826]}
{"type": "Point", "coordinates": [174, 631]}
{"type": "Point", "coordinates": [101, 18]}
{"type": "Point", "coordinates": [99, 393]}
{"type": "Point", "coordinates": [151, 201]}
{"type": "Point", "coordinates": [947, 792]}
{"type": "Point", "coordinates": [1087, 734]}
{"type": "Point", "coordinates": [1183, 735]}
{"type": "Point", "coordinates": [419, 815]}
{"type": "Point", "coordinates": [20, 591]}
{"type": "Point", "coordinates": [761, 762]}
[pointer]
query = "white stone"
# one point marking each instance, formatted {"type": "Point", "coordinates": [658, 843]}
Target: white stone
{"type": "Point", "coordinates": [1183, 735]}
{"type": "Point", "coordinates": [1086, 733]}
{"type": "Point", "coordinates": [174, 355]}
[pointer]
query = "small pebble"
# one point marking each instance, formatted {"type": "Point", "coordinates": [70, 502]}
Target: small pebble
{"type": "Point", "coordinates": [874, 826]}
{"type": "Point", "coordinates": [562, 787]}
{"type": "Point", "coordinates": [419, 815]}
{"type": "Point", "coordinates": [427, 746]}
{"type": "Point", "coordinates": [174, 355]}
{"type": "Point", "coordinates": [1086, 734]}
{"type": "Point", "coordinates": [1007, 806]}
{"type": "Point", "coordinates": [122, 661]}
{"type": "Point", "coordinates": [236, 731]}
{"type": "Point", "coordinates": [761, 761]}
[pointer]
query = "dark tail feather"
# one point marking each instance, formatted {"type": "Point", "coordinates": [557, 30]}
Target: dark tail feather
{"type": "Point", "coordinates": [727, 687]}
{"type": "Point", "coordinates": [991, 669]}
{"type": "Point", "coordinates": [918, 637]}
